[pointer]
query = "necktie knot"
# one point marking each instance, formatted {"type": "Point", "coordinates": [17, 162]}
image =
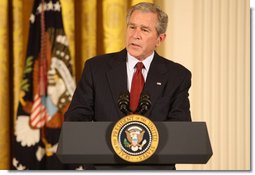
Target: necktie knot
{"type": "Point", "coordinates": [139, 66]}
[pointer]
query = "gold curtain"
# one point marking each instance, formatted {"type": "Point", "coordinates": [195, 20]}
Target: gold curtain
{"type": "Point", "coordinates": [113, 24]}
{"type": "Point", "coordinates": [216, 51]}
{"type": "Point", "coordinates": [5, 84]}
{"type": "Point", "coordinates": [93, 27]}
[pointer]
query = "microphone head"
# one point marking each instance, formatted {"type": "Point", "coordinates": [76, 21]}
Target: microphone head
{"type": "Point", "coordinates": [144, 103]}
{"type": "Point", "coordinates": [123, 103]}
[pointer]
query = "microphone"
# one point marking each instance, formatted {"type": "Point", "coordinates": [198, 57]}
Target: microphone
{"type": "Point", "coordinates": [144, 103]}
{"type": "Point", "coordinates": [123, 103]}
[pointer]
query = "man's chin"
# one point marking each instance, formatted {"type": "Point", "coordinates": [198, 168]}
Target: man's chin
{"type": "Point", "coordinates": [135, 54]}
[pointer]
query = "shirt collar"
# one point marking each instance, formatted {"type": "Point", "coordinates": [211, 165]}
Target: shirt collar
{"type": "Point", "coordinates": [132, 61]}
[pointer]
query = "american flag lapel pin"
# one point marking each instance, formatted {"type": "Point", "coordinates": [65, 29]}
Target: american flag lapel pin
{"type": "Point", "coordinates": [159, 83]}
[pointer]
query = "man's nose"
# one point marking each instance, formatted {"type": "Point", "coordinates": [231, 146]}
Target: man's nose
{"type": "Point", "coordinates": [137, 34]}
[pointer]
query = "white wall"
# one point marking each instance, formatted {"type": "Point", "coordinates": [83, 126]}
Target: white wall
{"type": "Point", "coordinates": [212, 39]}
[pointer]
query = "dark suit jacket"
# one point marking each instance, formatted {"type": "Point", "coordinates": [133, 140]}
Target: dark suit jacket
{"type": "Point", "coordinates": [104, 78]}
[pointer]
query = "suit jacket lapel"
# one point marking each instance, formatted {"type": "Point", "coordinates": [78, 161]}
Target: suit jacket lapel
{"type": "Point", "coordinates": [117, 77]}
{"type": "Point", "coordinates": [155, 80]}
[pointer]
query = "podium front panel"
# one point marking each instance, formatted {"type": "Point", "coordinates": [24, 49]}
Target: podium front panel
{"type": "Point", "coordinates": [90, 143]}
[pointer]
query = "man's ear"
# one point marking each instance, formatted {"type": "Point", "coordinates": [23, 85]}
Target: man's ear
{"type": "Point", "coordinates": [161, 38]}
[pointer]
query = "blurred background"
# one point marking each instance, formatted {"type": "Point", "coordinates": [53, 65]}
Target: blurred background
{"type": "Point", "coordinates": [209, 37]}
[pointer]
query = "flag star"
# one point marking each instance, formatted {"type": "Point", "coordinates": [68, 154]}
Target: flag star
{"type": "Point", "coordinates": [39, 9]}
{"type": "Point", "coordinates": [80, 168]}
{"type": "Point", "coordinates": [20, 167]}
{"type": "Point", "coordinates": [57, 6]}
{"type": "Point", "coordinates": [50, 6]}
{"type": "Point", "coordinates": [32, 18]}
{"type": "Point", "coordinates": [67, 57]}
{"type": "Point", "coordinates": [15, 162]}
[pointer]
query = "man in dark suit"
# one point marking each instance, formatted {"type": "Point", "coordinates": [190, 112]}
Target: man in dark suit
{"type": "Point", "coordinates": [105, 77]}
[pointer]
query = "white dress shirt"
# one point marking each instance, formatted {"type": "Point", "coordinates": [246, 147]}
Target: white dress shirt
{"type": "Point", "coordinates": [131, 62]}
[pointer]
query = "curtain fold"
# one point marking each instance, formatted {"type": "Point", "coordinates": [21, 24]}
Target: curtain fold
{"type": "Point", "coordinates": [90, 26]}
{"type": "Point", "coordinates": [5, 86]}
{"type": "Point", "coordinates": [86, 32]}
{"type": "Point", "coordinates": [114, 24]}
{"type": "Point", "coordinates": [68, 13]}
{"type": "Point", "coordinates": [133, 2]}
{"type": "Point", "coordinates": [18, 43]}
{"type": "Point", "coordinates": [210, 37]}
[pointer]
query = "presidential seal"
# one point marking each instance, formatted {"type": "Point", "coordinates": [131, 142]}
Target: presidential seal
{"type": "Point", "coordinates": [134, 138]}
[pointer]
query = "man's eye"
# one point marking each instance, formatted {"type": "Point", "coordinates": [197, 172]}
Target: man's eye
{"type": "Point", "coordinates": [132, 27]}
{"type": "Point", "coordinates": [145, 30]}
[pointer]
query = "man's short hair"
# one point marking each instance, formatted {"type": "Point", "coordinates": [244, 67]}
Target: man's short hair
{"type": "Point", "coordinates": [150, 7]}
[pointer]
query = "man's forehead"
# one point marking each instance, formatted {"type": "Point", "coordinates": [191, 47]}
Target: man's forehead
{"type": "Point", "coordinates": [138, 25]}
{"type": "Point", "coordinates": [141, 16]}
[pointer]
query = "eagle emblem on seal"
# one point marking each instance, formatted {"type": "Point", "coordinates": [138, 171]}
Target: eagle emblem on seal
{"type": "Point", "coordinates": [134, 139]}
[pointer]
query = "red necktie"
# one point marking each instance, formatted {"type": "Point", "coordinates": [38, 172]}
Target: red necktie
{"type": "Point", "coordinates": [136, 86]}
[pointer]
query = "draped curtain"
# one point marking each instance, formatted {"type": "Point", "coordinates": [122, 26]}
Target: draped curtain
{"type": "Point", "coordinates": [91, 27]}
{"type": "Point", "coordinates": [210, 37]}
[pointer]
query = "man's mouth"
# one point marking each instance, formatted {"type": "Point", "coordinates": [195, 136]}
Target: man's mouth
{"type": "Point", "coordinates": [135, 45]}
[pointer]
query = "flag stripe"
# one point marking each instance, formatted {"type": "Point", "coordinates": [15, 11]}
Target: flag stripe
{"type": "Point", "coordinates": [42, 119]}
{"type": "Point", "coordinates": [39, 114]}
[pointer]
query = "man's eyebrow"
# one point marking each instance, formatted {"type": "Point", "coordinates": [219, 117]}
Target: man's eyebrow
{"type": "Point", "coordinates": [131, 24]}
{"type": "Point", "coordinates": [147, 27]}
{"type": "Point", "coordinates": [142, 26]}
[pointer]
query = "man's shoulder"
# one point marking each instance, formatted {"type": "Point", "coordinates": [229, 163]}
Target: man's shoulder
{"type": "Point", "coordinates": [108, 57]}
{"type": "Point", "coordinates": [172, 65]}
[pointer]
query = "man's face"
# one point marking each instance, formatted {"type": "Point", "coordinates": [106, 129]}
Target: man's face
{"type": "Point", "coordinates": [142, 38]}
